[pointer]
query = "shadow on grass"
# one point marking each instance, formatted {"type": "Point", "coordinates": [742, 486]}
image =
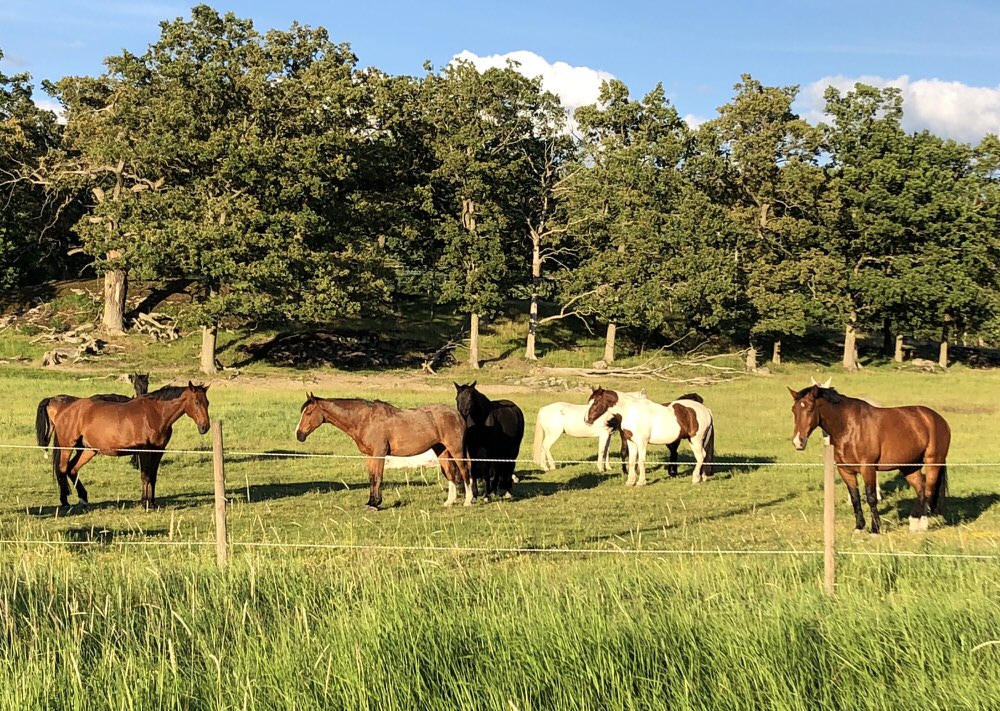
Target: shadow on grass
{"type": "Point", "coordinates": [957, 509]}
{"type": "Point", "coordinates": [533, 485]}
{"type": "Point", "coordinates": [107, 536]}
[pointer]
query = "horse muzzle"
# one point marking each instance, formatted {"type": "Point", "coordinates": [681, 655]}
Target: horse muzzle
{"type": "Point", "coordinates": [202, 429]}
{"type": "Point", "coordinates": [300, 435]}
{"type": "Point", "coordinates": [799, 443]}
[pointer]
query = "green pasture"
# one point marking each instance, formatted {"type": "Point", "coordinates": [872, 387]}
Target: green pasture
{"type": "Point", "coordinates": [557, 599]}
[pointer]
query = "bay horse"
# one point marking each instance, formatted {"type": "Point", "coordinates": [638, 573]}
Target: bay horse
{"type": "Point", "coordinates": [826, 437]}
{"type": "Point", "coordinates": [87, 427]}
{"type": "Point", "coordinates": [48, 407]}
{"type": "Point", "coordinates": [381, 430]}
{"type": "Point", "coordinates": [559, 418]}
{"type": "Point", "coordinates": [494, 430]}
{"type": "Point", "coordinates": [867, 439]}
{"type": "Point", "coordinates": [645, 422]}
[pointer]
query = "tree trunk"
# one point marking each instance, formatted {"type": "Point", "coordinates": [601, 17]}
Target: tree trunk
{"type": "Point", "coordinates": [609, 343]}
{"type": "Point", "coordinates": [943, 351]}
{"type": "Point", "coordinates": [898, 355]}
{"type": "Point", "coordinates": [752, 357]}
{"type": "Point", "coordinates": [209, 336]}
{"type": "Point", "coordinates": [115, 291]}
{"type": "Point", "coordinates": [474, 341]}
{"type": "Point", "coordinates": [776, 352]}
{"type": "Point", "coordinates": [536, 274]}
{"type": "Point", "coordinates": [850, 346]}
{"type": "Point", "coordinates": [887, 340]}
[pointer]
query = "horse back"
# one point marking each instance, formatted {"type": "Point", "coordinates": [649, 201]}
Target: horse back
{"type": "Point", "coordinates": [508, 417]}
{"type": "Point", "coordinates": [910, 434]}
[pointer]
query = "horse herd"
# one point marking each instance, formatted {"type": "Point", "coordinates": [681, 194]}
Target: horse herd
{"type": "Point", "coordinates": [479, 439]}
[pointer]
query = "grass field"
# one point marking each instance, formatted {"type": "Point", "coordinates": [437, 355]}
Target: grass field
{"type": "Point", "coordinates": [327, 605]}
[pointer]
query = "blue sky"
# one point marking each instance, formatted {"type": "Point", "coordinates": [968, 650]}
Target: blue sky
{"type": "Point", "coordinates": [945, 56]}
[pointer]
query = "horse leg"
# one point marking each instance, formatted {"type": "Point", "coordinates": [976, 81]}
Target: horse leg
{"type": "Point", "coordinates": [918, 514]}
{"type": "Point", "coordinates": [852, 491]}
{"type": "Point", "coordinates": [603, 450]}
{"type": "Point", "coordinates": [376, 467]}
{"type": "Point", "coordinates": [672, 466]}
{"type": "Point", "coordinates": [548, 463]}
{"type": "Point", "coordinates": [643, 447]}
{"type": "Point", "coordinates": [699, 461]}
{"type": "Point", "coordinates": [868, 473]}
{"type": "Point", "coordinates": [80, 459]}
{"type": "Point", "coordinates": [448, 468]}
{"type": "Point", "coordinates": [61, 464]}
{"type": "Point", "coordinates": [633, 454]}
{"type": "Point", "coordinates": [153, 467]}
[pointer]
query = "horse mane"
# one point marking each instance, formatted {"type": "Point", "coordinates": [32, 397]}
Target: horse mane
{"type": "Point", "coordinates": [167, 392]}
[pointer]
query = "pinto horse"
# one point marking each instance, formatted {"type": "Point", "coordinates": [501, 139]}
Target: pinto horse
{"type": "Point", "coordinates": [645, 422]}
{"type": "Point", "coordinates": [380, 430]}
{"type": "Point", "coordinates": [87, 427]}
{"type": "Point", "coordinates": [559, 418]}
{"type": "Point", "coordinates": [494, 430]}
{"type": "Point", "coordinates": [868, 439]}
{"type": "Point", "coordinates": [48, 407]}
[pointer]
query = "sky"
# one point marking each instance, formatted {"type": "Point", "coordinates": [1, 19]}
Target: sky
{"type": "Point", "coordinates": [943, 55]}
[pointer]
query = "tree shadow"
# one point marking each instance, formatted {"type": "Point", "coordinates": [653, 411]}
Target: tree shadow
{"type": "Point", "coordinates": [157, 296]}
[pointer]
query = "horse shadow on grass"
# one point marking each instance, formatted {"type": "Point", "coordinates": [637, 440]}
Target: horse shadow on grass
{"type": "Point", "coordinates": [531, 486]}
{"type": "Point", "coordinates": [105, 536]}
{"type": "Point", "coordinates": [269, 455]}
{"type": "Point", "coordinates": [957, 509]}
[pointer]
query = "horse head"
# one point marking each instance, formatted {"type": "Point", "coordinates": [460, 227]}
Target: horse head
{"type": "Point", "coordinates": [468, 400]}
{"type": "Point", "coordinates": [311, 418]}
{"type": "Point", "coordinates": [599, 402]}
{"type": "Point", "coordinates": [805, 412]}
{"type": "Point", "coordinates": [196, 406]}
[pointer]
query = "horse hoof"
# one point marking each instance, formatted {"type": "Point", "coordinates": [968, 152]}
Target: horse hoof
{"type": "Point", "coordinates": [516, 478]}
{"type": "Point", "coordinates": [468, 503]}
{"type": "Point", "coordinates": [508, 496]}
{"type": "Point", "coordinates": [370, 507]}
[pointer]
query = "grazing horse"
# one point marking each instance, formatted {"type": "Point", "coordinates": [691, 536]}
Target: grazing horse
{"type": "Point", "coordinates": [868, 439]}
{"type": "Point", "coordinates": [559, 418]}
{"type": "Point", "coordinates": [494, 429]}
{"type": "Point", "coordinates": [645, 422]}
{"type": "Point", "coordinates": [87, 427]}
{"type": "Point", "coordinates": [49, 406]}
{"type": "Point", "coordinates": [380, 430]}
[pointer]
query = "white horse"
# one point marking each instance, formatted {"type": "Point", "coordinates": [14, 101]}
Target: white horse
{"type": "Point", "coordinates": [645, 422]}
{"type": "Point", "coordinates": [559, 418]}
{"type": "Point", "coordinates": [826, 437]}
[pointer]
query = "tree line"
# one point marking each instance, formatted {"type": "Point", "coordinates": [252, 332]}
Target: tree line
{"type": "Point", "coordinates": [287, 183]}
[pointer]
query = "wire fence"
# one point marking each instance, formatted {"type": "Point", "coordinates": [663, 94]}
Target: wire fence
{"type": "Point", "coordinates": [101, 541]}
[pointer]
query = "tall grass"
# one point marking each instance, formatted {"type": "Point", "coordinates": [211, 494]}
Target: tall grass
{"type": "Point", "coordinates": [353, 632]}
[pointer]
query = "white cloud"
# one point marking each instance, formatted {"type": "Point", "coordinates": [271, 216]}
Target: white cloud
{"type": "Point", "coordinates": [575, 86]}
{"type": "Point", "coordinates": [949, 109]}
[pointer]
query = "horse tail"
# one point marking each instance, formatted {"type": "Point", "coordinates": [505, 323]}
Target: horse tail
{"type": "Point", "coordinates": [940, 490]}
{"type": "Point", "coordinates": [708, 444]}
{"type": "Point", "coordinates": [134, 461]}
{"type": "Point", "coordinates": [536, 447]}
{"type": "Point", "coordinates": [43, 425]}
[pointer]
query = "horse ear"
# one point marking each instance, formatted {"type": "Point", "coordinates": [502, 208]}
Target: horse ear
{"type": "Point", "coordinates": [473, 384]}
{"type": "Point", "coordinates": [310, 397]}
{"type": "Point", "coordinates": [828, 381]}
{"type": "Point", "coordinates": [190, 385]}
{"type": "Point", "coordinates": [812, 380]}
{"type": "Point", "coordinates": [795, 395]}
{"type": "Point", "coordinates": [457, 386]}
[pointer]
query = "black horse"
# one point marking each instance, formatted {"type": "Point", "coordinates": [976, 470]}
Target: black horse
{"type": "Point", "coordinates": [494, 430]}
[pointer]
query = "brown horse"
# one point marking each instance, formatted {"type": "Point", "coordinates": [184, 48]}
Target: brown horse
{"type": "Point", "coordinates": [868, 439]}
{"type": "Point", "coordinates": [380, 429]}
{"type": "Point", "coordinates": [49, 406]}
{"type": "Point", "coordinates": [87, 427]}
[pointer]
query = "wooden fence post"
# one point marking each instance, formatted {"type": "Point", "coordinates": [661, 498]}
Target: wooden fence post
{"type": "Point", "coordinates": [829, 559]}
{"type": "Point", "coordinates": [219, 467]}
